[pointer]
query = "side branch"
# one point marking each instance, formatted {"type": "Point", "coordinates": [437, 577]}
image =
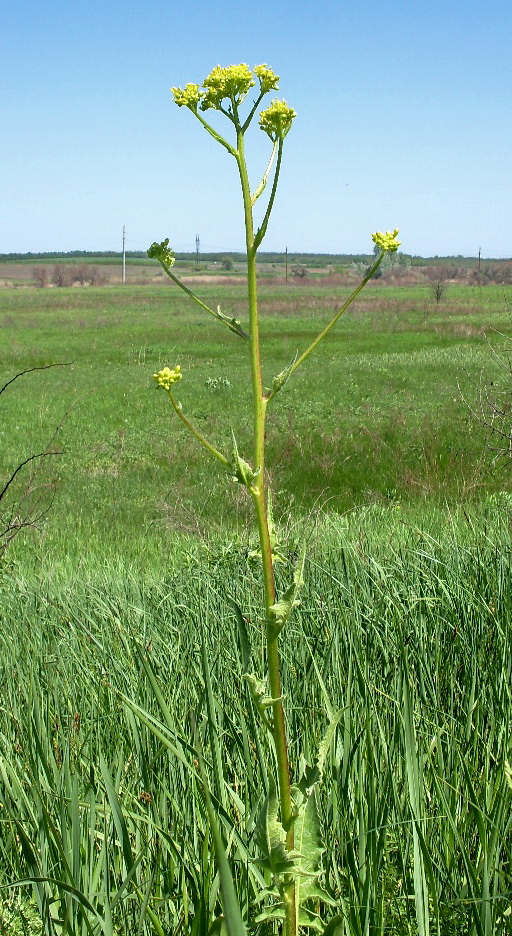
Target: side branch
{"type": "Point", "coordinates": [293, 367]}
{"type": "Point", "coordinates": [260, 233]}
{"type": "Point", "coordinates": [232, 323]}
{"type": "Point", "coordinates": [195, 432]}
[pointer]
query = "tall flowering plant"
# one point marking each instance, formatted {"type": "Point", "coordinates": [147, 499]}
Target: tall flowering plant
{"type": "Point", "coordinates": [288, 833]}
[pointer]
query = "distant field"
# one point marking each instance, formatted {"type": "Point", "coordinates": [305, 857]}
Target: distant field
{"type": "Point", "coordinates": [376, 417]}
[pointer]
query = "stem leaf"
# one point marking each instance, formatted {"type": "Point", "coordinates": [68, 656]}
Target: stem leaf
{"type": "Point", "coordinates": [279, 612]}
{"type": "Point", "coordinates": [241, 470]}
{"type": "Point", "coordinates": [280, 380]}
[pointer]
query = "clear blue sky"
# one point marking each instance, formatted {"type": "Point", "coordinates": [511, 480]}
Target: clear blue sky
{"type": "Point", "coordinates": [404, 119]}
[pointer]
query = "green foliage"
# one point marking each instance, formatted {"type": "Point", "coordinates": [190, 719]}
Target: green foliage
{"type": "Point", "coordinates": [407, 624]}
{"type": "Point", "coordinates": [398, 433]}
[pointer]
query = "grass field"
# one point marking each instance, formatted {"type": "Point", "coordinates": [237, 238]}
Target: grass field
{"type": "Point", "coordinates": [377, 416]}
{"type": "Point", "coordinates": [126, 590]}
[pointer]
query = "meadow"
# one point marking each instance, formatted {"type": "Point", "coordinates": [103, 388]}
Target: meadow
{"type": "Point", "coordinates": [121, 610]}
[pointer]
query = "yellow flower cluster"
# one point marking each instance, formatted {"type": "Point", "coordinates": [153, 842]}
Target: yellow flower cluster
{"type": "Point", "coordinates": [387, 241]}
{"type": "Point", "coordinates": [167, 377]}
{"type": "Point", "coordinates": [268, 79]}
{"type": "Point", "coordinates": [162, 252]}
{"type": "Point", "coordinates": [187, 97]}
{"type": "Point", "coordinates": [231, 83]}
{"type": "Point", "coordinates": [276, 120]}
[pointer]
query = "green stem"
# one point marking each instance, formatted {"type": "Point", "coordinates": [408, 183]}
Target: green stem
{"type": "Point", "coordinates": [211, 448]}
{"type": "Point", "coordinates": [371, 272]}
{"type": "Point", "coordinates": [260, 503]}
{"type": "Point", "coordinates": [232, 324]}
{"type": "Point", "coordinates": [260, 234]}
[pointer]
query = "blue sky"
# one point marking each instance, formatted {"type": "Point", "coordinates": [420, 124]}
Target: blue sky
{"type": "Point", "coordinates": [404, 120]}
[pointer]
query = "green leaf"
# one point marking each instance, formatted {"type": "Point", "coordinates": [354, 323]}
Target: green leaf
{"type": "Point", "coordinates": [335, 927]}
{"type": "Point", "coordinates": [274, 912]}
{"type": "Point", "coordinates": [258, 690]}
{"type": "Point", "coordinates": [326, 741]}
{"type": "Point", "coordinates": [271, 837]}
{"type": "Point", "coordinates": [310, 919]}
{"type": "Point", "coordinates": [307, 838]}
{"type": "Point", "coordinates": [218, 927]}
{"type": "Point", "coordinates": [233, 324]}
{"type": "Point", "coordinates": [281, 378]}
{"type": "Point", "coordinates": [241, 470]}
{"type": "Point", "coordinates": [230, 905]}
{"type": "Point", "coordinates": [245, 643]}
{"type": "Point", "coordinates": [279, 612]}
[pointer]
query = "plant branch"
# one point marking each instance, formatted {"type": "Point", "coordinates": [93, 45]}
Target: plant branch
{"type": "Point", "coordinates": [252, 112]}
{"type": "Point", "coordinates": [232, 323]}
{"type": "Point", "coordinates": [261, 187]}
{"type": "Point", "coordinates": [30, 369]}
{"type": "Point", "coordinates": [211, 448]}
{"type": "Point", "coordinates": [216, 136]}
{"type": "Point", "coordinates": [293, 367]}
{"type": "Point", "coordinates": [262, 230]}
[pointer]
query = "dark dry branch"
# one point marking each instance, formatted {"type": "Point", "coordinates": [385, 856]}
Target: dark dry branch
{"type": "Point", "coordinates": [35, 508]}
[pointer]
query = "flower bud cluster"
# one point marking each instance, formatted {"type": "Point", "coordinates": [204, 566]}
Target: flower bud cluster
{"type": "Point", "coordinates": [232, 83]}
{"type": "Point", "coordinates": [268, 79]}
{"type": "Point", "coordinates": [276, 120]}
{"type": "Point", "coordinates": [167, 377]}
{"type": "Point", "coordinates": [387, 241]}
{"type": "Point", "coordinates": [162, 252]}
{"type": "Point", "coordinates": [189, 96]}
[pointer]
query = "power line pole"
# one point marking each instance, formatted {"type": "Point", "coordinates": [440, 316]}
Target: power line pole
{"type": "Point", "coordinates": [197, 251]}
{"type": "Point", "coordinates": [286, 264]}
{"type": "Point", "coordinates": [124, 255]}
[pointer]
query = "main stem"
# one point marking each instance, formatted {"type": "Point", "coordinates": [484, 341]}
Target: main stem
{"type": "Point", "coordinates": [260, 503]}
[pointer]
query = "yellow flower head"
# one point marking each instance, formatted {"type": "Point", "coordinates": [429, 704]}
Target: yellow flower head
{"type": "Point", "coordinates": [232, 82]}
{"type": "Point", "coordinates": [268, 79]}
{"type": "Point", "coordinates": [386, 241]}
{"type": "Point", "coordinates": [167, 377]}
{"type": "Point", "coordinates": [276, 120]}
{"type": "Point", "coordinates": [189, 96]}
{"type": "Point", "coordinates": [162, 252]}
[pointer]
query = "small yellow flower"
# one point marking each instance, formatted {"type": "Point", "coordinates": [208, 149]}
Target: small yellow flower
{"type": "Point", "coordinates": [276, 120]}
{"type": "Point", "coordinates": [386, 241]}
{"type": "Point", "coordinates": [167, 377]}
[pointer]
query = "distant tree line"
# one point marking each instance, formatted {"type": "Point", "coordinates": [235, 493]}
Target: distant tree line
{"type": "Point", "coordinates": [307, 259]}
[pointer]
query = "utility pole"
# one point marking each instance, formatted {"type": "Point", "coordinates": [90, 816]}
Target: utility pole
{"type": "Point", "coordinates": [197, 251]}
{"type": "Point", "coordinates": [124, 255]}
{"type": "Point", "coordinates": [286, 264]}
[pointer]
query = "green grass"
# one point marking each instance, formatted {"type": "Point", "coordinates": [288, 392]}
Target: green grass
{"type": "Point", "coordinates": [117, 617]}
{"type": "Point", "coordinates": [409, 636]}
{"type": "Point", "coordinates": [376, 416]}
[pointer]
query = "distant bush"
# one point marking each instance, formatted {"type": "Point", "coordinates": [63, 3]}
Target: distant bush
{"type": "Point", "coordinates": [61, 275]}
{"type": "Point", "coordinates": [97, 276]}
{"type": "Point", "coordinates": [41, 276]}
{"type": "Point", "coordinates": [80, 274]}
{"type": "Point", "coordinates": [500, 273]}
